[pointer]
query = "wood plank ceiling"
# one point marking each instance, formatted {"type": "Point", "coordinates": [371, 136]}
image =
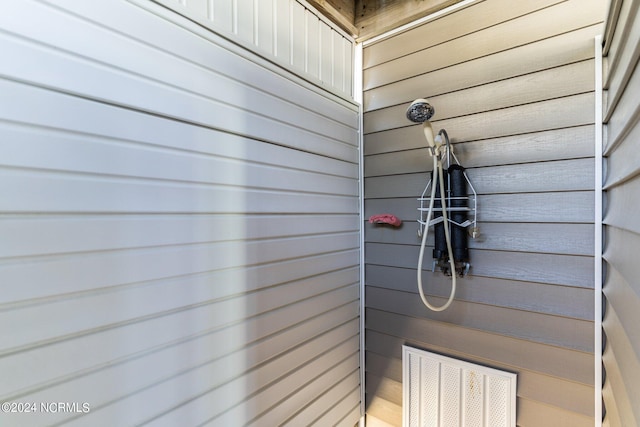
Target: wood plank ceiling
{"type": "Point", "coordinates": [364, 19]}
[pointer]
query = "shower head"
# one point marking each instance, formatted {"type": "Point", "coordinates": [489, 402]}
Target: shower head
{"type": "Point", "coordinates": [420, 111]}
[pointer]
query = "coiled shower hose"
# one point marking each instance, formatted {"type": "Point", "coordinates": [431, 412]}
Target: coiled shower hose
{"type": "Point", "coordinates": [438, 179]}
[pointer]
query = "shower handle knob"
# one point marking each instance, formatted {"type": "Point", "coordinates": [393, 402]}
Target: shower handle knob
{"type": "Point", "coordinates": [474, 232]}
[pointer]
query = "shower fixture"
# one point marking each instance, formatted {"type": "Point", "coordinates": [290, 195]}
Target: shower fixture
{"type": "Point", "coordinates": [448, 206]}
{"type": "Point", "coordinates": [420, 111]}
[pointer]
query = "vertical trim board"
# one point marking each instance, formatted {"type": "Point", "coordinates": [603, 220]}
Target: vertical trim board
{"type": "Point", "coordinates": [620, 235]}
{"type": "Point", "coordinates": [598, 231]}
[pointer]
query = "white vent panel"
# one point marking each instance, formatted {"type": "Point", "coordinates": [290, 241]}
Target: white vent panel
{"type": "Point", "coordinates": [440, 391]}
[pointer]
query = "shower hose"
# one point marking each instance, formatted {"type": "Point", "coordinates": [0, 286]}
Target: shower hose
{"type": "Point", "coordinates": [438, 179]}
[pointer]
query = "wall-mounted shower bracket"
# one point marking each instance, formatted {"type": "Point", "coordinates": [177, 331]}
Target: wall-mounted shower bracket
{"type": "Point", "coordinates": [420, 111]}
{"type": "Point", "coordinates": [466, 204]}
{"type": "Point", "coordinates": [461, 268]}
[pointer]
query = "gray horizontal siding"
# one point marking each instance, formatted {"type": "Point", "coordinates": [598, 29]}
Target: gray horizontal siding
{"type": "Point", "coordinates": [576, 239]}
{"type": "Point", "coordinates": [538, 86]}
{"type": "Point", "coordinates": [459, 24]}
{"type": "Point", "coordinates": [621, 351]}
{"type": "Point", "coordinates": [558, 113]}
{"type": "Point", "coordinates": [533, 26]}
{"type": "Point", "coordinates": [567, 270]}
{"type": "Point", "coordinates": [576, 303]}
{"type": "Point", "coordinates": [571, 207]}
{"type": "Point", "coordinates": [557, 144]}
{"type": "Point", "coordinates": [539, 327]}
{"type": "Point", "coordinates": [563, 175]}
{"type": "Point", "coordinates": [513, 87]}
{"type": "Point", "coordinates": [554, 51]}
{"type": "Point", "coordinates": [181, 225]}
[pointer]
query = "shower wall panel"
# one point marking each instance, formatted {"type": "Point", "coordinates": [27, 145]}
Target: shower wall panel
{"type": "Point", "coordinates": [513, 85]}
{"type": "Point", "coordinates": [179, 223]}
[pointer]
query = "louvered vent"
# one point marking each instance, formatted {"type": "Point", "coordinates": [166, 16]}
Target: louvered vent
{"type": "Point", "coordinates": [440, 391]}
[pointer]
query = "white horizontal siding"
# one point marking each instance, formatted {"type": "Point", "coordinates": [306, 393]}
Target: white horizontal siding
{"type": "Point", "coordinates": [181, 220]}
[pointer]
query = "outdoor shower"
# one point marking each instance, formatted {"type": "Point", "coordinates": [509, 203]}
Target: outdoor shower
{"type": "Point", "coordinates": [448, 206]}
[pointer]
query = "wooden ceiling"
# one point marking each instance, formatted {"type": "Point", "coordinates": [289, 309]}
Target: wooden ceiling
{"type": "Point", "coordinates": [364, 19]}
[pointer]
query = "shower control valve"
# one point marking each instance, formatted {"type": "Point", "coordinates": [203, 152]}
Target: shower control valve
{"type": "Point", "coordinates": [474, 232]}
